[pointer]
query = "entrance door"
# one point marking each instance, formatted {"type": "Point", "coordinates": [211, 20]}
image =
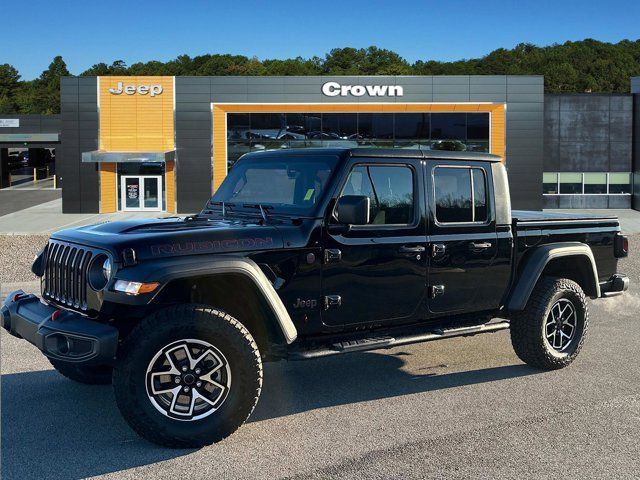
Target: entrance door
{"type": "Point", "coordinates": [141, 193]}
{"type": "Point", "coordinates": [377, 273]}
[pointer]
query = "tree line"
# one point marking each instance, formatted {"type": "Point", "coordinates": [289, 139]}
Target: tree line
{"type": "Point", "coordinates": [583, 66]}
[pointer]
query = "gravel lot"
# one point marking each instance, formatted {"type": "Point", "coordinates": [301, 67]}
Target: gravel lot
{"type": "Point", "coordinates": [16, 257]}
{"type": "Point", "coordinates": [459, 408]}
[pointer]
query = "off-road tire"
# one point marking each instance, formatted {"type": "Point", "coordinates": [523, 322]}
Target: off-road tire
{"type": "Point", "coordinates": [528, 326]}
{"type": "Point", "coordinates": [89, 374]}
{"type": "Point", "coordinates": [177, 323]}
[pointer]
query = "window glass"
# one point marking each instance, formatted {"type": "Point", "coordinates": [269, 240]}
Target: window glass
{"type": "Point", "coordinates": [477, 126]}
{"type": "Point", "coordinates": [453, 195]}
{"type": "Point", "coordinates": [340, 125]}
{"type": "Point", "coordinates": [441, 131]}
{"type": "Point", "coordinates": [267, 125]}
{"type": "Point", "coordinates": [375, 125]}
{"type": "Point", "coordinates": [549, 183]}
{"type": "Point", "coordinates": [287, 185]}
{"type": "Point", "coordinates": [595, 183]}
{"type": "Point", "coordinates": [298, 125]}
{"type": "Point", "coordinates": [479, 195]}
{"type": "Point", "coordinates": [619, 183]}
{"type": "Point", "coordinates": [238, 126]}
{"type": "Point", "coordinates": [449, 126]}
{"type": "Point", "coordinates": [570, 183]}
{"type": "Point", "coordinates": [410, 126]}
{"type": "Point", "coordinates": [390, 192]}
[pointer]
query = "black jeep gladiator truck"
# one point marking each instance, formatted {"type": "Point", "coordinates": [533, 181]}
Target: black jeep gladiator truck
{"type": "Point", "coordinates": [302, 254]}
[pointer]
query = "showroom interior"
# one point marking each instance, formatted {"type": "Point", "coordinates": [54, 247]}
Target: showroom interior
{"type": "Point", "coordinates": [166, 143]}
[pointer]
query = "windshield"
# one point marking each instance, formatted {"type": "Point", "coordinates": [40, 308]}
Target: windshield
{"type": "Point", "coordinates": [292, 185]}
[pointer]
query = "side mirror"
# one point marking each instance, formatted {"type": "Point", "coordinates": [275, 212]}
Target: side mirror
{"type": "Point", "coordinates": [353, 210]}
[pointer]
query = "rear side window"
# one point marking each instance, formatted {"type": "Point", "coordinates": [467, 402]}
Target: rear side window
{"type": "Point", "coordinates": [460, 195]}
{"type": "Point", "coordinates": [390, 191]}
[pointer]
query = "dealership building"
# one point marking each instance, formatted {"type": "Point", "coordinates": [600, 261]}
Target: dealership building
{"type": "Point", "coordinates": [166, 143]}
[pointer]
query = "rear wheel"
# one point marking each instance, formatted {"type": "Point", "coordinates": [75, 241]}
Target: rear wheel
{"type": "Point", "coordinates": [89, 374]}
{"type": "Point", "coordinates": [551, 330]}
{"type": "Point", "coordinates": [187, 376]}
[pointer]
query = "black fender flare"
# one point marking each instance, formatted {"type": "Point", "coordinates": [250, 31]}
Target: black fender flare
{"type": "Point", "coordinates": [168, 269]}
{"type": "Point", "coordinates": [535, 264]}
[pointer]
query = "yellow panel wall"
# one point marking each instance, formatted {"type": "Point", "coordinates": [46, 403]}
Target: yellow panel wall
{"type": "Point", "coordinates": [138, 123]}
{"type": "Point", "coordinates": [219, 112]}
{"type": "Point", "coordinates": [108, 188]}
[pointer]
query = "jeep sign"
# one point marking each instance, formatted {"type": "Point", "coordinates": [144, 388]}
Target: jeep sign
{"type": "Point", "coordinates": [333, 89]}
{"type": "Point", "coordinates": [152, 90]}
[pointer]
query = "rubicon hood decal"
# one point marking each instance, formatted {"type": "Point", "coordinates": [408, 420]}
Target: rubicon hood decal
{"type": "Point", "coordinates": [211, 246]}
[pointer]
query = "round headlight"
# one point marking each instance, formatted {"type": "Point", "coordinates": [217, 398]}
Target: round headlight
{"type": "Point", "coordinates": [106, 268]}
{"type": "Point", "coordinates": [100, 270]}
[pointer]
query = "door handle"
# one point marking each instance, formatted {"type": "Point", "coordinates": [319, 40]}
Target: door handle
{"type": "Point", "coordinates": [412, 249]}
{"type": "Point", "coordinates": [480, 245]}
{"type": "Point", "coordinates": [438, 249]}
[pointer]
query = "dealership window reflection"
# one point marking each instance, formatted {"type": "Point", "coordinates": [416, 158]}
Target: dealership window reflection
{"type": "Point", "coordinates": [247, 132]}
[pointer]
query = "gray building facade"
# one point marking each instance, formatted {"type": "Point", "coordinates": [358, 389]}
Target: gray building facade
{"type": "Point", "coordinates": [123, 139]}
{"type": "Point", "coordinates": [587, 150]}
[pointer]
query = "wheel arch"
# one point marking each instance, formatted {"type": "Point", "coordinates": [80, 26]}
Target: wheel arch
{"type": "Point", "coordinates": [572, 260]}
{"type": "Point", "coordinates": [237, 286]}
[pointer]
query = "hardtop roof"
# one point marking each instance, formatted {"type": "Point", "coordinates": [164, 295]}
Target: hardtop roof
{"type": "Point", "coordinates": [383, 153]}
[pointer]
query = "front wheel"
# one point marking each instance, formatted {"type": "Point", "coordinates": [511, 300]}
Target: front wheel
{"type": "Point", "coordinates": [187, 376]}
{"type": "Point", "coordinates": [550, 332]}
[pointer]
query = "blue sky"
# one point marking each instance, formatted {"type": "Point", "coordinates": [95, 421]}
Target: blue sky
{"type": "Point", "coordinates": [88, 32]}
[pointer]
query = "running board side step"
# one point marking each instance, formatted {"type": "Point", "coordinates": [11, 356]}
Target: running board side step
{"type": "Point", "coordinates": [375, 343]}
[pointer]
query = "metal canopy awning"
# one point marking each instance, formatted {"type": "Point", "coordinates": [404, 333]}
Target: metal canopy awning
{"type": "Point", "coordinates": [102, 156]}
{"type": "Point", "coordinates": [29, 137]}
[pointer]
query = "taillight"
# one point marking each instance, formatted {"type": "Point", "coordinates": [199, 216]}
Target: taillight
{"type": "Point", "coordinates": [621, 245]}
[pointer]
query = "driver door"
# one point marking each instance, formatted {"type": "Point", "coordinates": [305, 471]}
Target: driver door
{"type": "Point", "coordinates": [376, 273]}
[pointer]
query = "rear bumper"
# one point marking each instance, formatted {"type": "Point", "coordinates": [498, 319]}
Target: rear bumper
{"type": "Point", "coordinates": [67, 336]}
{"type": "Point", "coordinates": [617, 284]}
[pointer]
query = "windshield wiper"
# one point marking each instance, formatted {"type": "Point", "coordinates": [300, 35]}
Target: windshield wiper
{"type": "Point", "coordinates": [224, 206]}
{"type": "Point", "coordinates": [263, 209]}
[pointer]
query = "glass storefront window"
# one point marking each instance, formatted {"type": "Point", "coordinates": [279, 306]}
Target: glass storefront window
{"type": "Point", "coordinates": [549, 183]}
{"type": "Point", "coordinates": [342, 126]}
{"type": "Point", "coordinates": [375, 125]}
{"type": "Point", "coordinates": [248, 132]}
{"type": "Point", "coordinates": [595, 183]}
{"type": "Point", "coordinates": [619, 183]}
{"type": "Point", "coordinates": [449, 126]}
{"type": "Point", "coordinates": [412, 126]}
{"type": "Point", "coordinates": [570, 183]}
{"type": "Point", "coordinates": [267, 125]}
{"type": "Point", "coordinates": [477, 126]}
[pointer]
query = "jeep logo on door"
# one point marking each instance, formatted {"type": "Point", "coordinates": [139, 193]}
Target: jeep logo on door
{"type": "Point", "coordinates": [151, 90]}
{"type": "Point", "coordinates": [334, 89]}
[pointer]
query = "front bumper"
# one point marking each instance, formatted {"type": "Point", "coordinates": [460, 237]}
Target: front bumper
{"type": "Point", "coordinates": [65, 336]}
{"type": "Point", "coordinates": [617, 284]}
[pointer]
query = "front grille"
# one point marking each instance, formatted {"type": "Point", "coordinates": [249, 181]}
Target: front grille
{"type": "Point", "coordinates": [66, 274]}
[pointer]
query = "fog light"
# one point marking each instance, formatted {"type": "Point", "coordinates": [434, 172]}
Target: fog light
{"type": "Point", "coordinates": [134, 288]}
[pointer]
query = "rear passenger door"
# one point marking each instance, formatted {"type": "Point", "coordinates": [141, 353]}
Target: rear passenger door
{"type": "Point", "coordinates": [462, 237]}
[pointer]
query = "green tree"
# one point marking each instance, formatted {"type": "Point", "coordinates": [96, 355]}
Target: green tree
{"type": "Point", "coordinates": [9, 86]}
{"type": "Point", "coordinates": [586, 65]}
{"type": "Point", "coordinates": [45, 91]}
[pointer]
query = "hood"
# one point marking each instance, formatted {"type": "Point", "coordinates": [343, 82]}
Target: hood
{"type": "Point", "coordinates": [157, 238]}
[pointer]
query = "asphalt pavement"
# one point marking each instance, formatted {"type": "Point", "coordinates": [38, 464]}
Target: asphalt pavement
{"type": "Point", "coordinates": [458, 408]}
